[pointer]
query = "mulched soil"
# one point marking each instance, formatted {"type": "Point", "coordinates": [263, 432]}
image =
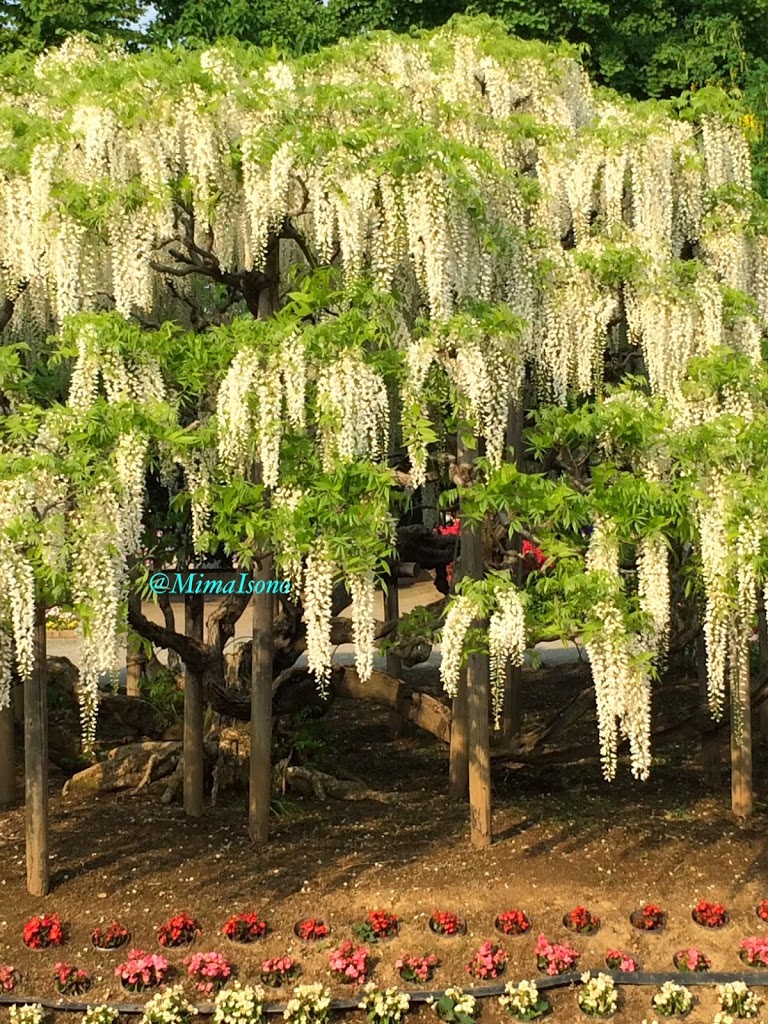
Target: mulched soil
{"type": "Point", "coordinates": [562, 837]}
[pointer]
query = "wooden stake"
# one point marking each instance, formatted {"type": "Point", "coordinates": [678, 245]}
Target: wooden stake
{"type": "Point", "coordinates": [260, 792]}
{"type": "Point", "coordinates": [7, 758]}
{"type": "Point", "coordinates": [512, 713]}
{"type": "Point", "coordinates": [36, 763]}
{"type": "Point", "coordinates": [394, 663]}
{"type": "Point", "coordinates": [194, 610]}
{"type": "Point", "coordinates": [458, 755]}
{"type": "Point", "coordinates": [741, 742]}
{"type": "Point", "coordinates": [134, 658]}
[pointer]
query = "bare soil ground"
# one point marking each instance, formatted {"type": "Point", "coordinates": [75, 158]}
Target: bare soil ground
{"type": "Point", "coordinates": [562, 837]}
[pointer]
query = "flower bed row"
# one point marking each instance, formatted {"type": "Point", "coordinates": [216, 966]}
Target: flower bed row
{"type": "Point", "coordinates": [311, 1004]}
{"type": "Point", "coordinates": [182, 929]}
{"type": "Point", "coordinates": [351, 964]}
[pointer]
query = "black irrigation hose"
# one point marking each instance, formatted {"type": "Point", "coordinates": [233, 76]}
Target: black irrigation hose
{"type": "Point", "coordinates": [751, 978]}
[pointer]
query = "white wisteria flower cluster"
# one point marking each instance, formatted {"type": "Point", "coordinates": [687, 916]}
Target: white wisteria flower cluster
{"type": "Point", "coordinates": [239, 1004]}
{"type": "Point", "coordinates": [506, 642]}
{"type": "Point", "coordinates": [309, 1004]}
{"type": "Point", "coordinates": [388, 1006]}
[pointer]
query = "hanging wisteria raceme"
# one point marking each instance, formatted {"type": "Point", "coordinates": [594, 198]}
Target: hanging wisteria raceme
{"type": "Point", "coordinates": [317, 599]}
{"type": "Point", "coordinates": [260, 391]}
{"type": "Point", "coordinates": [463, 610]}
{"type": "Point", "coordinates": [118, 193]}
{"type": "Point", "coordinates": [354, 410]}
{"type": "Point", "coordinates": [362, 588]}
{"type": "Point", "coordinates": [199, 467]}
{"type": "Point", "coordinates": [622, 683]}
{"type": "Point", "coordinates": [506, 642]}
{"type": "Point", "coordinates": [98, 585]}
{"type": "Point", "coordinates": [752, 529]}
{"type": "Point", "coordinates": [130, 460]}
{"type": "Point", "coordinates": [653, 588]}
{"type": "Point", "coordinates": [6, 667]}
{"type": "Point", "coordinates": [712, 520]}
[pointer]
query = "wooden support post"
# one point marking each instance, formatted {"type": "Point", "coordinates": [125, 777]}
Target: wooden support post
{"type": "Point", "coordinates": [134, 658]}
{"type": "Point", "coordinates": [478, 689]}
{"type": "Point", "coordinates": [7, 758]}
{"type": "Point", "coordinates": [458, 755]}
{"type": "Point", "coordinates": [512, 714]}
{"type": "Point", "coordinates": [394, 664]}
{"type": "Point", "coordinates": [762, 642]}
{"type": "Point", "coordinates": [260, 772]}
{"type": "Point", "coordinates": [36, 762]}
{"type": "Point", "coordinates": [194, 611]}
{"type": "Point", "coordinates": [260, 790]}
{"type": "Point", "coordinates": [741, 741]}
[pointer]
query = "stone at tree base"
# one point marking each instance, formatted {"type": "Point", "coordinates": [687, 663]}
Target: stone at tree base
{"type": "Point", "coordinates": [125, 768]}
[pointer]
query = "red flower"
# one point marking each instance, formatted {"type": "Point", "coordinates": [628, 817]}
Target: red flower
{"type": "Point", "coordinates": [211, 971]}
{"type": "Point", "coordinates": [180, 930]}
{"type": "Point", "coordinates": [312, 928]}
{"type": "Point", "coordinates": [111, 937]}
{"type": "Point", "coordinates": [712, 915]}
{"type": "Point", "coordinates": [244, 927]}
{"type": "Point", "coordinates": [616, 960]}
{"type": "Point", "coordinates": [383, 924]}
{"type": "Point", "coordinates": [754, 951]}
{"type": "Point", "coordinates": [41, 932]}
{"type": "Point", "coordinates": [762, 910]}
{"type": "Point", "coordinates": [513, 922]}
{"type": "Point", "coordinates": [446, 923]}
{"type": "Point", "coordinates": [581, 920]}
{"type": "Point", "coordinates": [650, 917]}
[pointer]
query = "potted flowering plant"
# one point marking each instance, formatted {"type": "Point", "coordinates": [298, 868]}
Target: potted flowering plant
{"type": "Point", "coordinates": [456, 1006]}
{"type": "Point", "coordinates": [446, 923]}
{"type": "Point", "coordinates": [70, 980]}
{"type": "Point", "coordinates": [181, 930]}
{"type": "Point", "coordinates": [710, 915]}
{"type": "Point", "coordinates": [598, 996]}
{"type": "Point", "coordinates": [523, 1001]}
{"type": "Point", "coordinates": [42, 932]}
{"type": "Point", "coordinates": [211, 971]}
{"type": "Point", "coordinates": [762, 910]}
{"type": "Point", "coordinates": [349, 963]}
{"type": "Point", "coordinates": [245, 928]}
{"type": "Point", "coordinates": [278, 970]}
{"type": "Point", "coordinates": [141, 970]}
{"type": "Point", "coordinates": [387, 1007]}
{"type": "Point", "coordinates": [31, 1014]}
{"type": "Point", "coordinates": [490, 961]}
{"type": "Point", "coordinates": [512, 922]}
{"type": "Point", "coordinates": [555, 957]}
{"type": "Point", "coordinates": [311, 929]}
{"type": "Point", "coordinates": [310, 1004]}
{"type": "Point", "coordinates": [582, 921]}
{"type": "Point", "coordinates": [111, 937]}
{"type": "Point", "coordinates": [649, 918]}
{"type": "Point", "coordinates": [9, 978]}
{"type": "Point", "coordinates": [673, 1000]}
{"type": "Point", "coordinates": [616, 960]}
{"type": "Point", "coordinates": [239, 1004]}
{"type": "Point", "coordinates": [738, 1000]}
{"type": "Point", "coordinates": [691, 959]}
{"type": "Point", "coordinates": [417, 968]}
{"type": "Point", "coordinates": [378, 925]}
{"type": "Point", "coordinates": [753, 951]}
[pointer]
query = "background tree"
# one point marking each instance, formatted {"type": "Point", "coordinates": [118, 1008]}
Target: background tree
{"type": "Point", "coordinates": [37, 24]}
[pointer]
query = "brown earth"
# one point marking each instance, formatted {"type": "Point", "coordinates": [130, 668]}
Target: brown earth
{"type": "Point", "coordinates": [562, 837]}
